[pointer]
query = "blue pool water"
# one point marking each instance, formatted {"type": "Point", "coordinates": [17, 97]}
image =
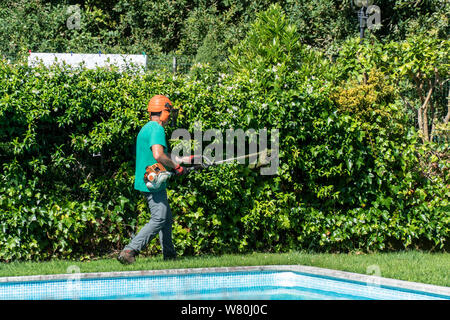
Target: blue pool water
{"type": "Point", "coordinates": [260, 285]}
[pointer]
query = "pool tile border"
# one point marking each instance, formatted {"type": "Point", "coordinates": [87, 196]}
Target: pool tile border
{"type": "Point", "coordinates": [344, 275]}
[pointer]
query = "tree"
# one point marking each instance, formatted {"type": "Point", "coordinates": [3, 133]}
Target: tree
{"type": "Point", "coordinates": [423, 60]}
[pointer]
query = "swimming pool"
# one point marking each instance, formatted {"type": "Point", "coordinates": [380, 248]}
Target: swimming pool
{"type": "Point", "coordinates": [240, 283]}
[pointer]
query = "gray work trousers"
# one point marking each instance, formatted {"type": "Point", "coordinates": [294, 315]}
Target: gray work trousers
{"type": "Point", "coordinates": [160, 222]}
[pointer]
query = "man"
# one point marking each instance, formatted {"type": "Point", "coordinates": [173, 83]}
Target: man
{"type": "Point", "coordinates": [151, 148]}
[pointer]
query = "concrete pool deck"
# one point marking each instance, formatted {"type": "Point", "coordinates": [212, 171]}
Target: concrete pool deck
{"type": "Point", "coordinates": [370, 280]}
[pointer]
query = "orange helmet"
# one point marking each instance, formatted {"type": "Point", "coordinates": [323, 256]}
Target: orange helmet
{"type": "Point", "coordinates": [160, 103]}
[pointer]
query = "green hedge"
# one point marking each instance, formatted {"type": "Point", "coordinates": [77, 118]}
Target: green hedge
{"type": "Point", "coordinates": [67, 151]}
{"type": "Point", "coordinates": [349, 177]}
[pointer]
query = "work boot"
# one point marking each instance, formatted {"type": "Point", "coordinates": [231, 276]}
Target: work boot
{"type": "Point", "coordinates": [127, 256]}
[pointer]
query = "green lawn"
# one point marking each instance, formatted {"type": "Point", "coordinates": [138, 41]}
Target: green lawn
{"type": "Point", "coordinates": [432, 268]}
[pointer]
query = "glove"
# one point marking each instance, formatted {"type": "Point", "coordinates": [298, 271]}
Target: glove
{"type": "Point", "coordinates": [179, 170]}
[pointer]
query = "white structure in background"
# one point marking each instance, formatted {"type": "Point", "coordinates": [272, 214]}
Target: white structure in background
{"type": "Point", "coordinates": [91, 61]}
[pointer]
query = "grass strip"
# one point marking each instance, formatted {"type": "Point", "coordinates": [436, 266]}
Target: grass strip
{"type": "Point", "coordinates": [417, 266]}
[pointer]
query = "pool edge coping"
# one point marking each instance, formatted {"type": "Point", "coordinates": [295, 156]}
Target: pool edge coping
{"type": "Point", "coordinates": [370, 280]}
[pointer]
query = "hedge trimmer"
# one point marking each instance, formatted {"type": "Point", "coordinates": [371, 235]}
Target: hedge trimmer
{"type": "Point", "coordinates": [156, 174]}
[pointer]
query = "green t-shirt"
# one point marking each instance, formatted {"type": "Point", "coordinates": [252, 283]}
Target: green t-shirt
{"type": "Point", "coordinates": [150, 134]}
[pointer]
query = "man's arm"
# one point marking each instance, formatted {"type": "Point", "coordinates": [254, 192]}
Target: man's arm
{"type": "Point", "coordinates": [160, 156]}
